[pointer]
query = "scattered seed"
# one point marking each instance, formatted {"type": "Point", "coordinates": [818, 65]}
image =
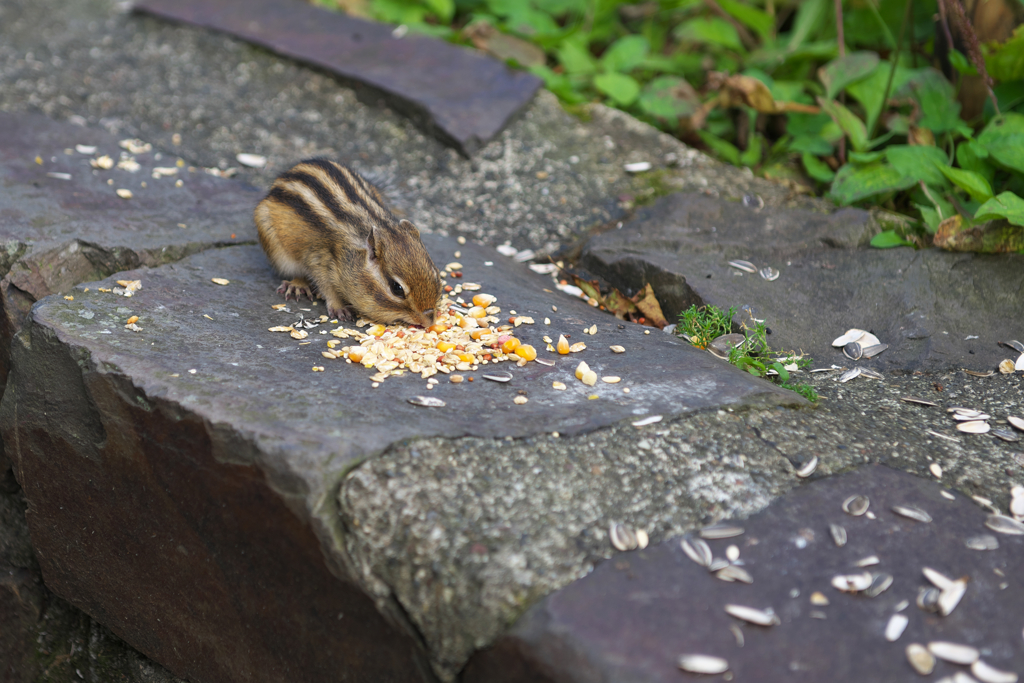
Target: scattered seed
{"type": "Point", "coordinates": [1017, 422]}
{"type": "Point", "coordinates": [947, 495]}
{"type": "Point", "coordinates": [856, 505]}
{"type": "Point", "coordinates": [558, 386]}
{"type": "Point", "coordinates": [1005, 435]}
{"type": "Point", "coordinates": [732, 553]}
{"type": "Point", "coordinates": [818, 598]}
{"type": "Point", "coordinates": [638, 167]}
{"type": "Point", "coordinates": [577, 347]}
{"type": "Point", "coordinates": [703, 664]}
{"type": "Point", "coordinates": [745, 266]}
{"type": "Point", "coordinates": [919, 401]}
{"type": "Point", "coordinates": [647, 421]}
{"type": "Point", "coordinates": [873, 350]}
{"type": "Point", "coordinates": [838, 534]}
{"type": "Point", "coordinates": [427, 401]}
{"type": "Point", "coordinates": [975, 373]}
{"type": "Point", "coordinates": [911, 512]}
{"type": "Point", "coordinates": [852, 583]}
{"type": "Point", "coordinates": [928, 599]}
{"type": "Point", "coordinates": [499, 377]}
{"type": "Point", "coordinates": [868, 561]}
{"type": "Point", "coordinates": [454, 379]}
{"type": "Point", "coordinates": [622, 537]}
{"type": "Point", "coordinates": [219, 281]}
{"type": "Point", "coordinates": [953, 652]}
{"type": "Point", "coordinates": [520, 400]}
{"type": "Point", "coordinates": [765, 617]}
{"type": "Point", "coordinates": [617, 349]}
{"type": "Point", "coordinates": [807, 469]}
{"type": "Point", "coordinates": [124, 193]}
{"type": "Point", "coordinates": [950, 597]}
{"type": "Point", "coordinates": [870, 374]}
{"type": "Point", "coordinates": [770, 274]}
{"type": "Point", "coordinates": [936, 470]}
{"type": "Point", "coordinates": [939, 580]}
{"type": "Point", "coordinates": [642, 539]}
{"type": "Point", "coordinates": [894, 629]}
{"type": "Point", "coordinates": [989, 674]}
{"type": "Point", "coordinates": [880, 583]}
{"type": "Point", "coordinates": [737, 633]}
{"type": "Point", "coordinates": [717, 564]}
{"type": "Point", "coordinates": [850, 374]}
{"type": "Point", "coordinates": [1007, 366]}
{"type": "Point", "coordinates": [982, 542]}
{"type": "Point", "coordinates": [697, 550]}
{"type": "Point", "coordinates": [1013, 344]}
{"type": "Point", "coordinates": [853, 351]}
{"type": "Point", "coordinates": [1004, 525]}
{"type": "Point", "coordinates": [734, 573]}
{"type": "Point", "coordinates": [920, 658]}
{"type": "Point", "coordinates": [974, 427]}
{"type": "Point", "coordinates": [969, 415]}
{"type": "Point", "coordinates": [611, 379]}
{"type": "Point", "coordinates": [720, 530]}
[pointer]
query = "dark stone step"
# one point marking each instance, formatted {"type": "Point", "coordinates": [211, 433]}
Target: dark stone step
{"type": "Point", "coordinates": [463, 96]}
{"type": "Point", "coordinates": [637, 613]}
{"type": "Point", "coordinates": [936, 310]}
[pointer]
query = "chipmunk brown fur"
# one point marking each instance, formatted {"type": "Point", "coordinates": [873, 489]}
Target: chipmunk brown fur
{"type": "Point", "coordinates": [326, 227]}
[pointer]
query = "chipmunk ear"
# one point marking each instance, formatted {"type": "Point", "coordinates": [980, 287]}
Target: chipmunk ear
{"type": "Point", "coordinates": [406, 224]}
{"type": "Point", "coordinates": [371, 244]}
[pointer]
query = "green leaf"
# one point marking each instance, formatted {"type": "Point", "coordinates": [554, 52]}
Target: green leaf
{"type": "Point", "coordinates": [816, 168]}
{"type": "Point", "coordinates": [669, 98]}
{"type": "Point", "coordinates": [751, 156]}
{"type": "Point", "coordinates": [863, 158]}
{"type": "Point", "coordinates": [810, 15]}
{"type": "Point", "coordinates": [810, 144]}
{"type": "Point", "coordinates": [888, 239]}
{"type": "Point", "coordinates": [918, 161]}
{"type": "Point", "coordinates": [839, 73]}
{"type": "Point", "coordinates": [559, 84]}
{"type": "Point", "coordinates": [959, 62]}
{"type": "Point", "coordinates": [781, 369]}
{"type": "Point", "coordinates": [853, 183]}
{"type": "Point", "coordinates": [620, 87]}
{"type": "Point", "coordinates": [930, 217]}
{"type": "Point", "coordinates": [940, 111]}
{"type": "Point", "coordinates": [760, 21]}
{"type": "Point", "coordinates": [870, 90]}
{"type": "Point", "coordinates": [970, 182]}
{"type": "Point", "coordinates": [725, 150]}
{"type": "Point", "coordinates": [1006, 205]}
{"type": "Point", "coordinates": [625, 54]}
{"type": "Point", "coordinates": [1005, 62]}
{"type": "Point", "coordinates": [576, 58]}
{"type": "Point", "coordinates": [443, 9]}
{"type": "Point", "coordinates": [848, 122]}
{"type": "Point", "coordinates": [710, 30]}
{"type": "Point", "coordinates": [971, 156]}
{"type": "Point", "coordinates": [1003, 138]}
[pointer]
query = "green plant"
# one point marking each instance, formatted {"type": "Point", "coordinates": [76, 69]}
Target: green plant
{"type": "Point", "coordinates": [862, 114]}
{"type": "Point", "coordinates": [700, 326]}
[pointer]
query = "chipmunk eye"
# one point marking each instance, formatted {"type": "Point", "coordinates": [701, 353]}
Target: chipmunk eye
{"type": "Point", "coordinates": [397, 289]}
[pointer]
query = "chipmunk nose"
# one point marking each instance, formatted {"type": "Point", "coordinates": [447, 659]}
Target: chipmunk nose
{"type": "Point", "coordinates": [428, 317]}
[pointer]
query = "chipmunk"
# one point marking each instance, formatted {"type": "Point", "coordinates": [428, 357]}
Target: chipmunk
{"type": "Point", "coordinates": [326, 227]}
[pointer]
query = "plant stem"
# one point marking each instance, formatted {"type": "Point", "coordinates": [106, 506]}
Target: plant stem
{"type": "Point", "coordinates": [841, 152]}
{"type": "Point", "coordinates": [973, 48]}
{"type": "Point", "coordinates": [907, 14]}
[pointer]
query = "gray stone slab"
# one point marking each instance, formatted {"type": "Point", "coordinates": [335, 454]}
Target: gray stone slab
{"type": "Point", "coordinates": [62, 222]}
{"type": "Point", "coordinates": [636, 613]}
{"type": "Point", "coordinates": [464, 96]}
{"type": "Point", "coordinates": [936, 310]}
{"type": "Point", "coordinates": [224, 445]}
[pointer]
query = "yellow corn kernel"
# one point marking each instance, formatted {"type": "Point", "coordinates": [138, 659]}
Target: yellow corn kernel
{"type": "Point", "coordinates": [437, 327]}
{"type": "Point", "coordinates": [376, 330]}
{"type": "Point", "coordinates": [510, 345]}
{"type": "Point", "coordinates": [465, 357]}
{"type": "Point", "coordinates": [484, 300]}
{"type": "Point", "coordinates": [445, 346]}
{"type": "Point", "coordinates": [526, 352]}
{"type": "Point", "coordinates": [477, 333]}
{"type": "Point", "coordinates": [563, 345]}
{"type": "Point", "coordinates": [468, 323]}
{"type": "Point", "coordinates": [582, 369]}
{"type": "Point", "coordinates": [477, 312]}
{"type": "Point", "coordinates": [356, 353]}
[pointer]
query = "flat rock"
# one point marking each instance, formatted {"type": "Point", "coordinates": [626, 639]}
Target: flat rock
{"type": "Point", "coordinates": [211, 442]}
{"type": "Point", "coordinates": [465, 96]}
{"type": "Point", "coordinates": [63, 222]}
{"type": "Point", "coordinates": [936, 310]}
{"type": "Point", "coordinates": [636, 614]}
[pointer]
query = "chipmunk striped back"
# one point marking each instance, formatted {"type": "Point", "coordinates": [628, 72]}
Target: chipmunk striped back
{"type": "Point", "coordinates": [324, 225]}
